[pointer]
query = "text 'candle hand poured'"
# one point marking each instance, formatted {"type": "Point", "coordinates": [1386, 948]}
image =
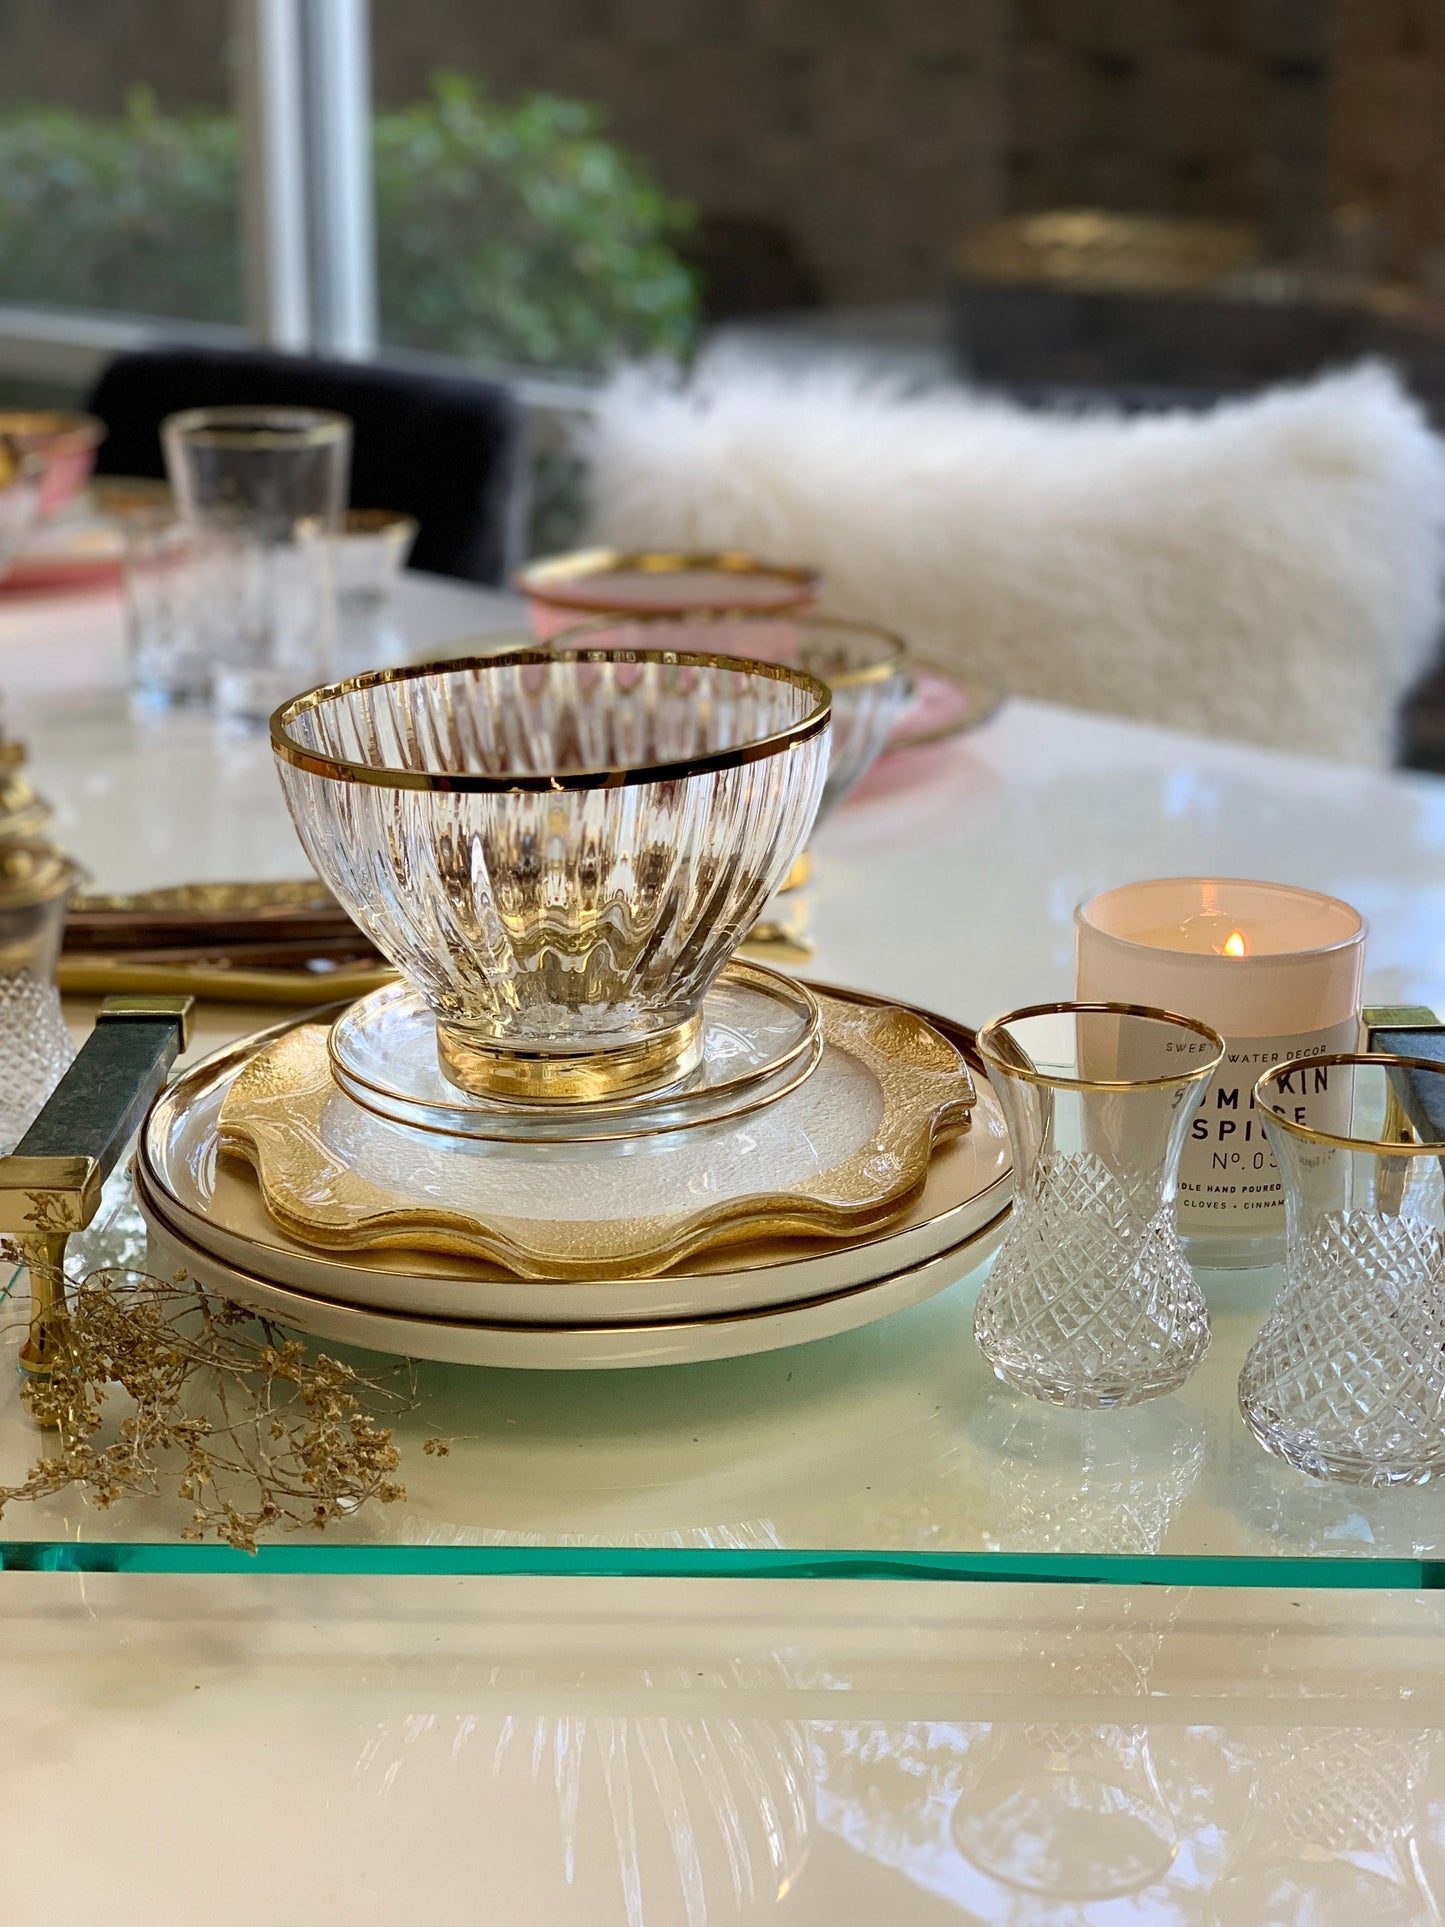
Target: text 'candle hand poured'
{"type": "Point", "coordinates": [1277, 971]}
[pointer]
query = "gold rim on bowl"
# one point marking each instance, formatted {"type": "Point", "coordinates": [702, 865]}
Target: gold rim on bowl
{"type": "Point", "coordinates": [536, 581]}
{"type": "Point", "coordinates": [894, 658]}
{"type": "Point", "coordinates": [995, 1059]}
{"type": "Point", "coordinates": [470, 782]}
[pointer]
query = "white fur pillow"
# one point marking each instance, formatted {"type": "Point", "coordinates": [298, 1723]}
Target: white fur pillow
{"type": "Point", "coordinates": [1270, 570]}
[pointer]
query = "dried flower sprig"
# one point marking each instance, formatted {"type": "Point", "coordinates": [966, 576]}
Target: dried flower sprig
{"type": "Point", "coordinates": [258, 1434]}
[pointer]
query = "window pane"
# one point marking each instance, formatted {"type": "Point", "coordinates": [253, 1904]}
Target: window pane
{"type": "Point", "coordinates": [118, 158]}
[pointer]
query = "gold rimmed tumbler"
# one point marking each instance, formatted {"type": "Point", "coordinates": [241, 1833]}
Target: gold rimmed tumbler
{"type": "Point", "coordinates": [263, 491]}
{"type": "Point", "coordinates": [1347, 1377]}
{"type": "Point", "coordinates": [558, 851]}
{"type": "Point", "coordinates": [1091, 1301]}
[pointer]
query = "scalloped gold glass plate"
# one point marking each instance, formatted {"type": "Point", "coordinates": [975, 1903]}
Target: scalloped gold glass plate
{"type": "Point", "coordinates": [185, 1183]}
{"type": "Point", "coordinates": [845, 1152]}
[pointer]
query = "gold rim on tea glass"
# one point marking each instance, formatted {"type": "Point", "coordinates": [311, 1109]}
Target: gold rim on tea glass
{"type": "Point", "coordinates": [1411, 1147]}
{"type": "Point", "coordinates": [469, 782]}
{"type": "Point", "coordinates": [258, 428]}
{"type": "Point", "coordinates": [1012, 1062]}
{"type": "Point", "coordinates": [538, 581]}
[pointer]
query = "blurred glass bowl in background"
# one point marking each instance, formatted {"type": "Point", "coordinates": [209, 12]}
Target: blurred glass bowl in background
{"type": "Point", "coordinates": [865, 668]}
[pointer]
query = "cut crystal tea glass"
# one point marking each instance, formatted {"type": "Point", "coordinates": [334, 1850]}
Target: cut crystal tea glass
{"type": "Point", "coordinates": [866, 669]}
{"type": "Point", "coordinates": [36, 883]}
{"type": "Point", "coordinates": [558, 851]}
{"type": "Point", "coordinates": [1347, 1377]}
{"type": "Point", "coordinates": [1091, 1301]}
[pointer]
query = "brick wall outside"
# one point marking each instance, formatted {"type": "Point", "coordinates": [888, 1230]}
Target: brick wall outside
{"type": "Point", "coordinates": [876, 130]}
{"type": "Point", "coordinates": [1216, 108]}
{"type": "Point", "coordinates": [1388, 147]}
{"type": "Point", "coordinates": [868, 128]}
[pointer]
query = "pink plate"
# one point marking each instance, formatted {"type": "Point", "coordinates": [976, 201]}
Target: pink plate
{"type": "Point", "coordinates": [916, 752]}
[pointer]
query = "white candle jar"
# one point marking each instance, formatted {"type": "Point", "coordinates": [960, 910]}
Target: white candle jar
{"type": "Point", "coordinates": [1277, 971]}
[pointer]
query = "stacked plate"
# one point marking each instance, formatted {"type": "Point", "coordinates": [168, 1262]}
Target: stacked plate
{"type": "Point", "coordinates": [830, 1161]}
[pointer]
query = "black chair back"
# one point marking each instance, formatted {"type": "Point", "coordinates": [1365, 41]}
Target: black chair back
{"type": "Point", "coordinates": [450, 452]}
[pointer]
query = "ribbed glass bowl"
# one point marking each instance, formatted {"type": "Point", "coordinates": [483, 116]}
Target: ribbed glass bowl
{"type": "Point", "coordinates": [559, 851]}
{"type": "Point", "coordinates": [865, 668]}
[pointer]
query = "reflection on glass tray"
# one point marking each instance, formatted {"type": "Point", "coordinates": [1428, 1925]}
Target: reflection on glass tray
{"type": "Point", "coordinates": [887, 1452]}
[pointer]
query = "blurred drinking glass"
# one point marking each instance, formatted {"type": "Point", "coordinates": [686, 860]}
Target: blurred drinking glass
{"type": "Point", "coordinates": [267, 488]}
{"type": "Point", "coordinates": [168, 604]}
{"type": "Point", "coordinates": [20, 487]}
{"type": "Point", "coordinates": [369, 561]}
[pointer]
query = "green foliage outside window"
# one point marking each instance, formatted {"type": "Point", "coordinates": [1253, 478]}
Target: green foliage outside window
{"type": "Point", "coordinates": [511, 233]}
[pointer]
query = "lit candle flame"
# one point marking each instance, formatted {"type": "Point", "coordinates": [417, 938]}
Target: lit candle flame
{"type": "Point", "coordinates": [1234, 944]}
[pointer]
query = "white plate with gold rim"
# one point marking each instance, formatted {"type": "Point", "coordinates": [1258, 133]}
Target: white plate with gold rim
{"type": "Point", "coordinates": [577, 1347]}
{"type": "Point", "coordinates": [213, 1199]}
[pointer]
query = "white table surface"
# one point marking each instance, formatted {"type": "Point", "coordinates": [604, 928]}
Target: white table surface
{"type": "Point", "coordinates": [216, 1750]}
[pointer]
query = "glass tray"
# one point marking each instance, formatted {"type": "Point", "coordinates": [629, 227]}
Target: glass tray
{"type": "Point", "coordinates": [886, 1453]}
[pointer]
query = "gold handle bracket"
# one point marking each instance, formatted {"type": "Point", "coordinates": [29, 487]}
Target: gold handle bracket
{"type": "Point", "coordinates": [50, 1185]}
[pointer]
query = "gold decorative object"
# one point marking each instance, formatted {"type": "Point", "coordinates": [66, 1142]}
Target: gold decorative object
{"type": "Point", "coordinates": [864, 667]}
{"type": "Point", "coordinates": [259, 1435]}
{"type": "Point", "coordinates": [50, 1185]}
{"type": "Point", "coordinates": [23, 814]}
{"type": "Point", "coordinates": [843, 1155]}
{"type": "Point", "coordinates": [779, 941]}
{"type": "Point", "coordinates": [1101, 251]}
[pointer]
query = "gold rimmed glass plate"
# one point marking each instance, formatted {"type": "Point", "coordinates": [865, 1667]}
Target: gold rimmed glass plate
{"type": "Point", "coordinates": [842, 1154]}
{"type": "Point", "coordinates": [761, 1038]}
